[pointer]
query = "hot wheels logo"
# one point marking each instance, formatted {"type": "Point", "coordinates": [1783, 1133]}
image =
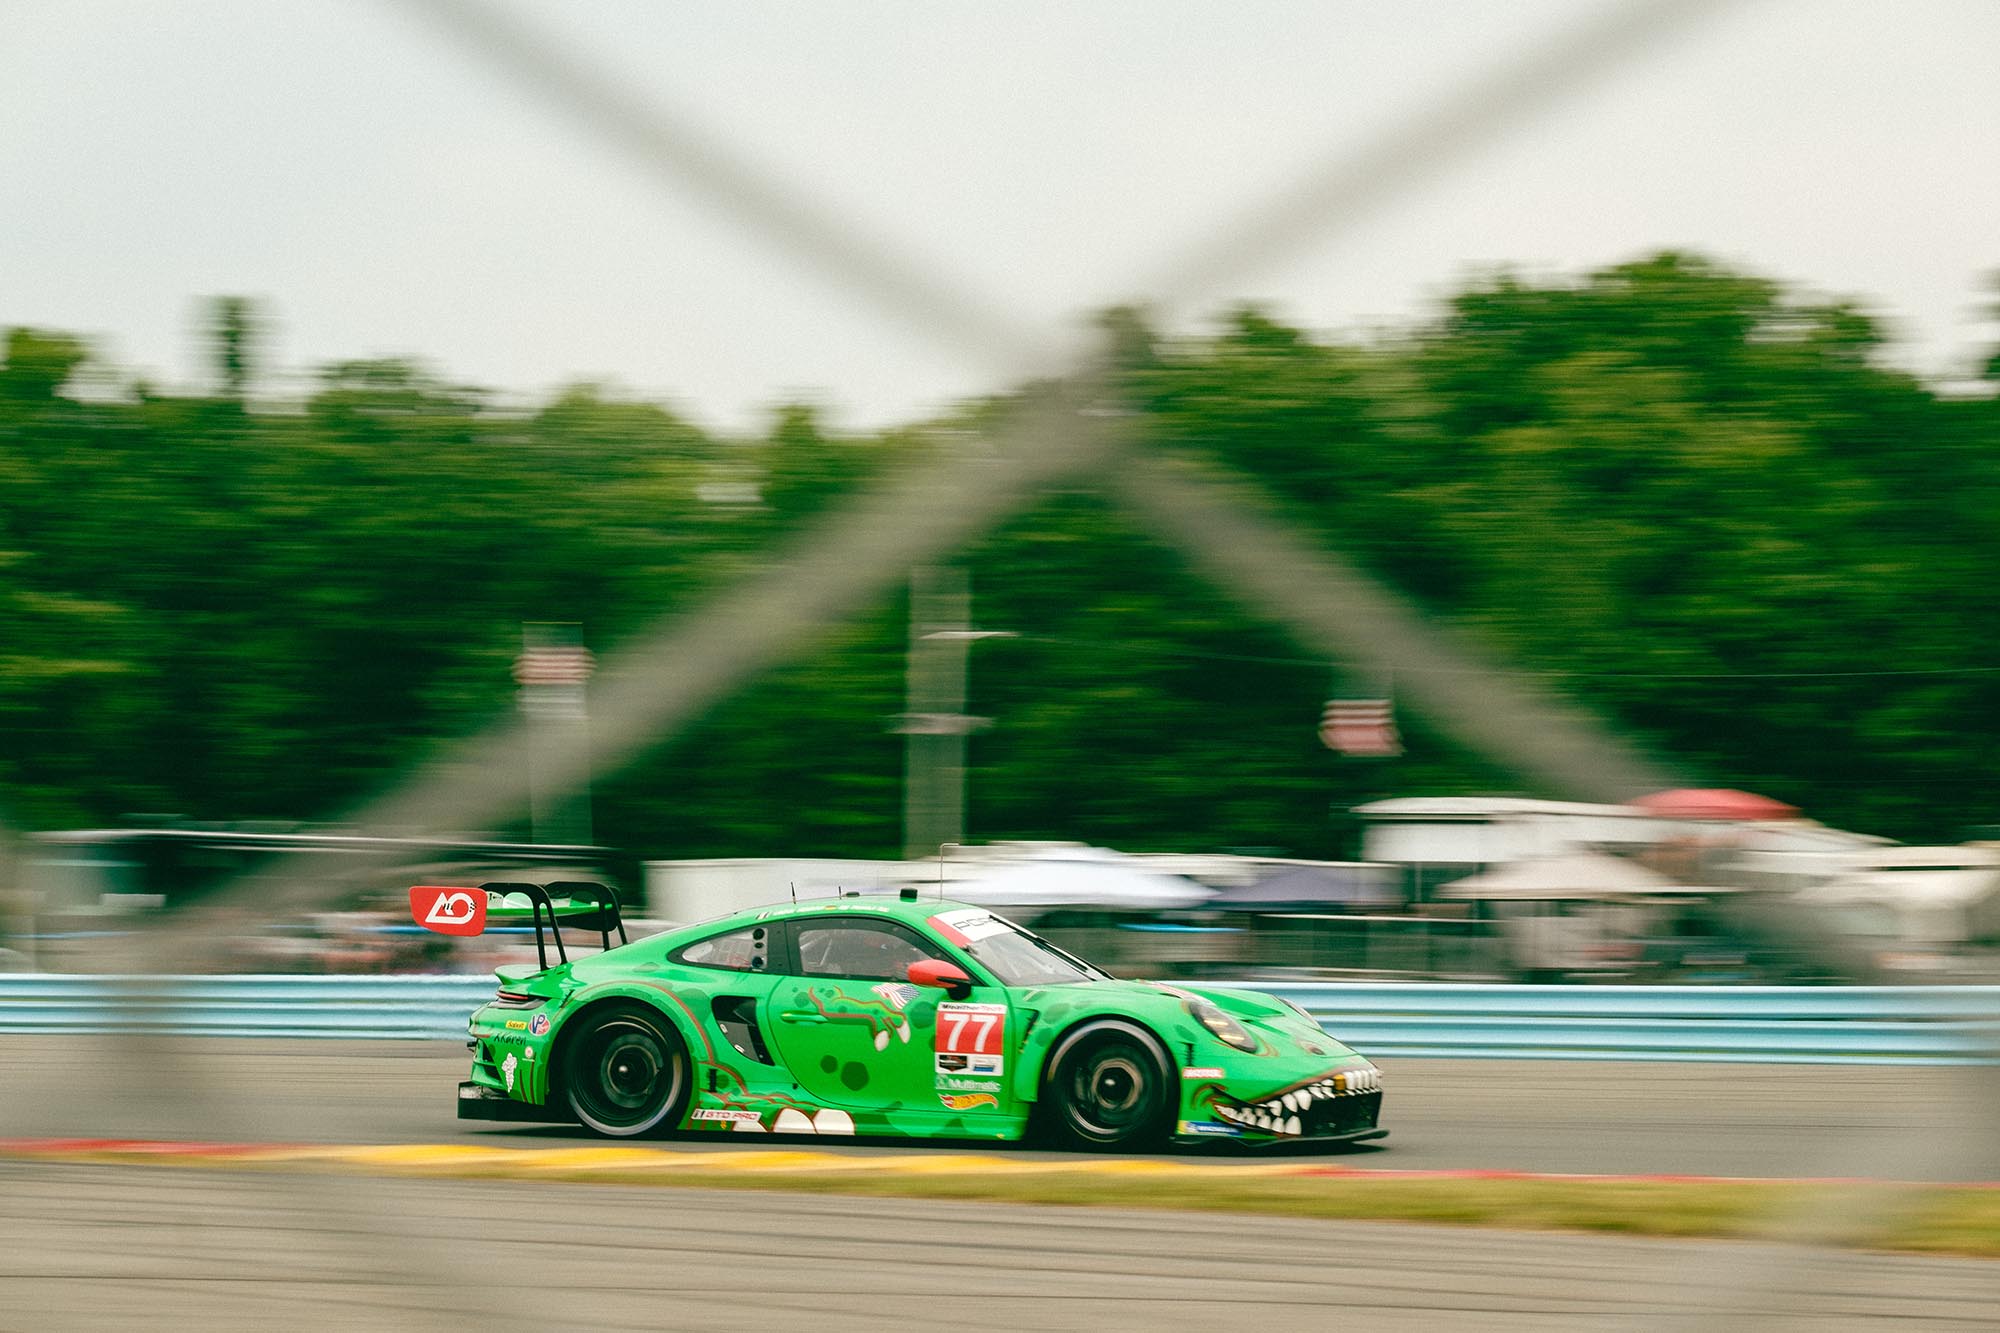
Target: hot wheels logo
{"type": "Point", "coordinates": [967, 1101]}
{"type": "Point", "coordinates": [449, 911]}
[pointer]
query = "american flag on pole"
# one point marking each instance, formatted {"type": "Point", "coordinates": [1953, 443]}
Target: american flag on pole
{"type": "Point", "coordinates": [1363, 728]}
{"type": "Point", "coordinates": [553, 665]}
{"type": "Point", "coordinates": [551, 677]}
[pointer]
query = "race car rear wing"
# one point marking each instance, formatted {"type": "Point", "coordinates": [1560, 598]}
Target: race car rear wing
{"type": "Point", "coordinates": [584, 904]}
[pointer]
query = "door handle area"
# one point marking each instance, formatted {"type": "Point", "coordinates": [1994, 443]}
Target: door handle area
{"type": "Point", "coordinates": [802, 1016]}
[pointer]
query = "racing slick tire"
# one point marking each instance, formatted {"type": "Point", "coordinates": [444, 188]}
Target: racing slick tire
{"type": "Point", "coordinates": [1108, 1089]}
{"type": "Point", "coordinates": [626, 1072]}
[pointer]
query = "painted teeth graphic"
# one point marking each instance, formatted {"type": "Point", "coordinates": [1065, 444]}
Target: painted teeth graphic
{"type": "Point", "coordinates": [1280, 1114]}
{"type": "Point", "coordinates": [794, 1121]}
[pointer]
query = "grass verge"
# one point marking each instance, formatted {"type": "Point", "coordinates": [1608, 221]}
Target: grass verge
{"type": "Point", "coordinates": [1940, 1219]}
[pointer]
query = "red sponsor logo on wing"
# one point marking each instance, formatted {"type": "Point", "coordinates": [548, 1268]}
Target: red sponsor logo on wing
{"type": "Point", "coordinates": [448, 911]}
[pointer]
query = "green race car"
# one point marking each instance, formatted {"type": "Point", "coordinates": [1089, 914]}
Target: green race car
{"type": "Point", "coordinates": [907, 1015]}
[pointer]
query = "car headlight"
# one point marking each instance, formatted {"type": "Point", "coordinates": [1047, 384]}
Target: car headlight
{"type": "Point", "coordinates": [1225, 1029]}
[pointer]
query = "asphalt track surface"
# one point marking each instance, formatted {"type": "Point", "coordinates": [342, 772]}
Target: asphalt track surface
{"type": "Point", "coordinates": [124, 1248]}
{"type": "Point", "coordinates": [115, 1247]}
{"type": "Point", "coordinates": [1586, 1117]}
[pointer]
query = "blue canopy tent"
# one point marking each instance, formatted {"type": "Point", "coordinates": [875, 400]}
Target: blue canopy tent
{"type": "Point", "coordinates": [1314, 888]}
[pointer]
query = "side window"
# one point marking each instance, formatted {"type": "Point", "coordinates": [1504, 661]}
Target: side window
{"type": "Point", "coordinates": [746, 950]}
{"type": "Point", "coordinates": [859, 950]}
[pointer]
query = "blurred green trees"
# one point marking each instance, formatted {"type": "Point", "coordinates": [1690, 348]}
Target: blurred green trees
{"type": "Point", "coordinates": [1709, 510]}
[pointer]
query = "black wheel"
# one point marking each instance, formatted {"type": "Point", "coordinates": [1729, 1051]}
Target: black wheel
{"type": "Point", "coordinates": [1109, 1089]}
{"type": "Point", "coordinates": [626, 1072]}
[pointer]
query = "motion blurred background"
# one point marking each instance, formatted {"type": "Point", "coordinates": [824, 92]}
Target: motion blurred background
{"type": "Point", "coordinates": [1319, 492]}
{"type": "Point", "coordinates": [1654, 360]}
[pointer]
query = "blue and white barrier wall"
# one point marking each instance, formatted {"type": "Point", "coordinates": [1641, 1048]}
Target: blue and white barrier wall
{"type": "Point", "coordinates": [1861, 1024]}
{"type": "Point", "coordinates": [239, 1006]}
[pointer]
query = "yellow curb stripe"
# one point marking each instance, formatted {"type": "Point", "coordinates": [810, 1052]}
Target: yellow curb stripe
{"type": "Point", "coordinates": [539, 1161]}
{"type": "Point", "coordinates": [536, 1161]}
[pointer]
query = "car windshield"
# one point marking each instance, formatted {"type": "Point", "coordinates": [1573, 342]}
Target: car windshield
{"type": "Point", "coordinates": [1020, 958]}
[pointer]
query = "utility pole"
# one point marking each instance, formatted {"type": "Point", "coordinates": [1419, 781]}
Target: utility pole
{"type": "Point", "coordinates": [935, 722]}
{"type": "Point", "coordinates": [551, 672]}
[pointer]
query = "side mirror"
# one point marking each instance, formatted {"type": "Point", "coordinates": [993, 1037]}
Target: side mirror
{"type": "Point", "coordinates": [947, 977]}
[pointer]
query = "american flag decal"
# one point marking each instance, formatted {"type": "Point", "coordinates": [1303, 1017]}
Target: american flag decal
{"type": "Point", "coordinates": [1365, 728]}
{"type": "Point", "coordinates": [898, 993]}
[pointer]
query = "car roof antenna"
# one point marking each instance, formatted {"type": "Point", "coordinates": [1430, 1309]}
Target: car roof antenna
{"type": "Point", "coordinates": [941, 849]}
{"type": "Point", "coordinates": [795, 893]}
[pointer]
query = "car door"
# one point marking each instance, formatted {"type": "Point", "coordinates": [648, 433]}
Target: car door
{"type": "Point", "coordinates": [857, 1034]}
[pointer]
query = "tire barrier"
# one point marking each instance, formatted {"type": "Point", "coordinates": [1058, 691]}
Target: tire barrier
{"type": "Point", "coordinates": [1823, 1024]}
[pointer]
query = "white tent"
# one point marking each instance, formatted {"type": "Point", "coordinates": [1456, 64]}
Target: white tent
{"type": "Point", "coordinates": [1576, 875]}
{"type": "Point", "coordinates": [1080, 877]}
{"type": "Point", "coordinates": [1930, 896]}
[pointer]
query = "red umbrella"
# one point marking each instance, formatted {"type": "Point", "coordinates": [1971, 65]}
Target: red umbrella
{"type": "Point", "coordinates": [1714, 803]}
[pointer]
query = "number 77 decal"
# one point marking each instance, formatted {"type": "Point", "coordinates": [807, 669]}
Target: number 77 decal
{"type": "Point", "coordinates": [971, 1038]}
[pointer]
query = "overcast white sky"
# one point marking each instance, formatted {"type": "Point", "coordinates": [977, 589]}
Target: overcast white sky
{"type": "Point", "coordinates": [388, 191]}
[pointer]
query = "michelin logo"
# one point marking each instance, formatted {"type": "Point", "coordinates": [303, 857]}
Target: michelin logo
{"type": "Point", "coordinates": [1209, 1127]}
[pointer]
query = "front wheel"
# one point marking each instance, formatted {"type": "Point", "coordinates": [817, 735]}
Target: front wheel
{"type": "Point", "coordinates": [626, 1072]}
{"type": "Point", "coordinates": [1109, 1090]}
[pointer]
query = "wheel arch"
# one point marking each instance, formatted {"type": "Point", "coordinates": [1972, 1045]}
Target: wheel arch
{"type": "Point", "coordinates": [1080, 1030]}
{"type": "Point", "coordinates": [1043, 1122]}
{"type": "Point", "coordinates": [599, 998]}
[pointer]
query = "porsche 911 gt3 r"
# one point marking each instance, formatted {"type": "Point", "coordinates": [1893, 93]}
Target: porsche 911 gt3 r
{"type": "Point", "coordinates": [906, 1015]}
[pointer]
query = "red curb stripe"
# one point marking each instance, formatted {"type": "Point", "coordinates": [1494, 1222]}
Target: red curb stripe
{"type": "Point", "coordinates": [133, 1147]}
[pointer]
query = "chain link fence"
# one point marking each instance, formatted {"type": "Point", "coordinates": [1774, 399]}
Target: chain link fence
{"type": "Point", "coordinates": [1072, 428]}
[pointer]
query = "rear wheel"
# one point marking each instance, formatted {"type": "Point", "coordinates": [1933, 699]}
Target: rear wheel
{"type": "Point", "coordinates": [1109, 1090]}
{"type": "Point", "coordinates": [626, 1072]}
